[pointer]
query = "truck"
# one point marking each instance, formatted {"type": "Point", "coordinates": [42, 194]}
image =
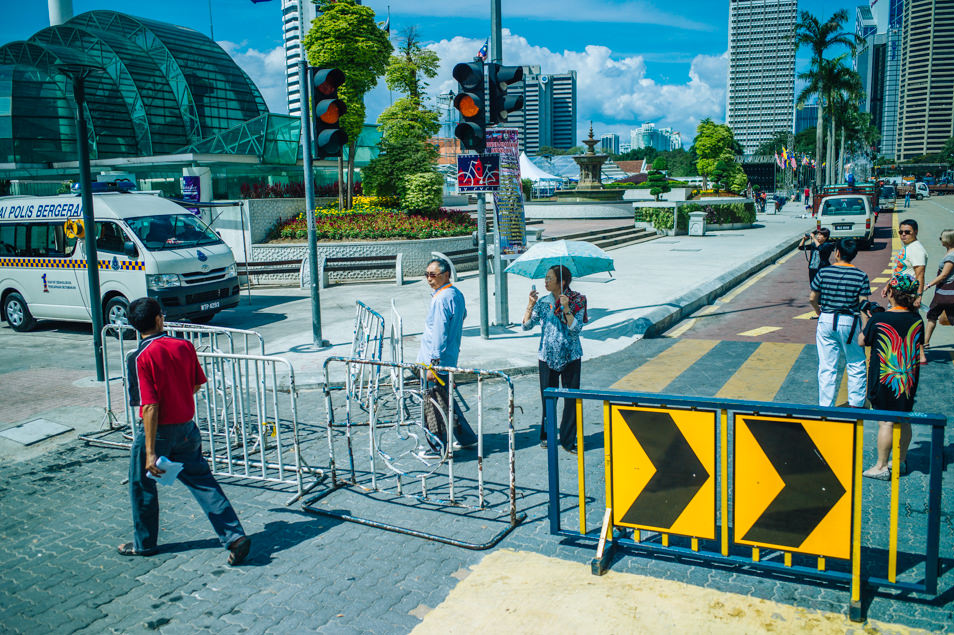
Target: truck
{"type": "Point", "coordinates": [917, 190]}
{"type": "Point", "coordinates": [887, 197]}
{"type": "Point", "coordinates": [147, 246]}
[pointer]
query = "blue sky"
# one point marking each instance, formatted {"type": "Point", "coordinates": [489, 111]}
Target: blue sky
{"type": "Point", "coordinates": [637, 60]}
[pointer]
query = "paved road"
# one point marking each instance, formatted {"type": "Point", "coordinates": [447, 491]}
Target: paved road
{"type": "Point", "coordinates": [63, 511]}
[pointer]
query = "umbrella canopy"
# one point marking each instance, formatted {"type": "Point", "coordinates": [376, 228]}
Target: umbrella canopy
{"type": "Point", "coordinates": [581, 258]}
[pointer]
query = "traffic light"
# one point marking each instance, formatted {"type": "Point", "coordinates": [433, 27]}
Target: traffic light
{"type": "Point", "coordinates": [328, 109]}
{"type": "Point", "coordinates": [472, 130]}
{"type": "Point", "coordinates": [501, 105]}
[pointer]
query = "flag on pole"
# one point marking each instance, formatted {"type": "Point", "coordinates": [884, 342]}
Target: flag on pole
{"type": "Point", "coordinates": [778, 160]}
{"type": "Point", "coordinates": [482, 53]}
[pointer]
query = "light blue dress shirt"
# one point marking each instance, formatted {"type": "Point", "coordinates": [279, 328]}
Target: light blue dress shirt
{"type": "Point", "coordinates": [443, 327]}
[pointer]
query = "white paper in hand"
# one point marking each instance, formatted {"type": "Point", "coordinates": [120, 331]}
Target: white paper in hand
{"type": "Point", "coordinates": [171, 469]}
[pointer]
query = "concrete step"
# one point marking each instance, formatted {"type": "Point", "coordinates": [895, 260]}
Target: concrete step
{"type": "Point", "coordinates": [593, 234]}
{"type": "Point", "coordinates": [642, 239]}
{"type": "Point", "coordinates": [616, 239]}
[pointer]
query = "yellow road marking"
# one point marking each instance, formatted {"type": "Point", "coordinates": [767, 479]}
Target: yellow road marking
{"type": "Point", "coordinates": [659, 372]}
{"type": "Point", "coordinates": [805, 316]}
{"type": "Point", "coordinates": [888, 270]}
{"type": "Point", "coordinates": [881, 279]}
{"type": "Point", "coordinates": [762, 330]}
{"type": "Point", "coordinates": [842, 390]}
{"type": "Point", "coordinates": [680, 330]}
{"type": "Point", "coordinates": [762, 374]}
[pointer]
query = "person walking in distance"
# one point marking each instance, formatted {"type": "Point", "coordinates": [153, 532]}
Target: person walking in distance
{"type": "Point", "coordinates": [907, 199]}
{"type": "Point", "coordinates": [164, 374]}
{"type": "Point", "coordinates": [895, 337]}
{"type": "Point", "coordinates": [440, 342]}
{"type": "Point", "coordinates": [837, 293]}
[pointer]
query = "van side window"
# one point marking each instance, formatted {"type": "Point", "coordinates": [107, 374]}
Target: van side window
{"type": "Point", "coordinates": [13, 240]}
{"type": "Point", "coordinates": [48, 240]}
{"type": "Point", "coordinates": [109, 237]}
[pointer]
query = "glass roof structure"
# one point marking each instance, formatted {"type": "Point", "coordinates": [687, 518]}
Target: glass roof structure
{"type": "Point", "coordinates": [160, 88]}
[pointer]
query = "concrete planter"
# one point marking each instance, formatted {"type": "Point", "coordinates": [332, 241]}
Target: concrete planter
{"type": "Point", "coordinates": [639, 194]}
{"type": "Point", "coordinates": [726, 226]}
{"type": "Point", "coordinates": [575, 210]}
{"type": "Point", "coordinates": [416, 255]}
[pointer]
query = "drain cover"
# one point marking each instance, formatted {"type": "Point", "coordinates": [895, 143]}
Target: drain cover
{"type": "Point", "coordinates": [34, 431]}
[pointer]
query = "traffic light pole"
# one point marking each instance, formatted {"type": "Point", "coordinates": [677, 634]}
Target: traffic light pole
{"type": "Point", "coordinates": [500, 277]}
{"type": "Point", "coordinates": [482, 261]}
{"type": "Point", "coordinates": [310, 206]}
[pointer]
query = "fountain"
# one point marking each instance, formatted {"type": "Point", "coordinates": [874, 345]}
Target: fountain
{"type": "Point", "coordinates": [590, 185]}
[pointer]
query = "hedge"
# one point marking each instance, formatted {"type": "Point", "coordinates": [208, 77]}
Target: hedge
{"type": "Point", "coordinates": [716, 214]}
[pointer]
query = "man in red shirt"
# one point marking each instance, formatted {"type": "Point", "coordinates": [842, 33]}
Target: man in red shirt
{"type": "Point", "coordinates": [164, 374]}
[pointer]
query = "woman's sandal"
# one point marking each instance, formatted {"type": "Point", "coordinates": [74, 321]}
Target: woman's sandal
{"type": "Point", "coordinates": [129, 549]}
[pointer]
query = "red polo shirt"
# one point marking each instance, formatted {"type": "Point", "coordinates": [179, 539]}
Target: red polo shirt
{"type": "Point", "coordinates": [164, 370]}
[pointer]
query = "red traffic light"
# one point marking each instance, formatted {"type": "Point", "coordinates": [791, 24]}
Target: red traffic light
{"type": "Point", "coordinates": [327, 80]}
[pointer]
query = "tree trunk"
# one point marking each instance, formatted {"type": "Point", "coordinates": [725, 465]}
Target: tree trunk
{"type": "Point", "coordinates": [341, 199]}
{"type": "Point", "coordinates": [831, 150]}
{"type": "Point", "coordinates": [819, 124]}
{"type": "Point", "coordinates": [841, 154]}
{"type": "Point", "coordinates": [352, 150]}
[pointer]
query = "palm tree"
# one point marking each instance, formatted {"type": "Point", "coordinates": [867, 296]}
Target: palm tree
{"type": "Point", "coordinates": [820, 37]}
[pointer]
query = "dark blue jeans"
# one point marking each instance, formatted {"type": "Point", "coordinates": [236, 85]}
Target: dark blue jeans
{"type": "Point", "coordinates": [181, 443]}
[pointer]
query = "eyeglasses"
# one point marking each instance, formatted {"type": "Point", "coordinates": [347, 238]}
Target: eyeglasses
{"type": "Point", "coordinates": [431, 274]}
{"type": "Point", "coordinates": [902, 232]}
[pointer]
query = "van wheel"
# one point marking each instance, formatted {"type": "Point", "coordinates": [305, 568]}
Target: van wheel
{"type": "Point", "coordinates": [117, 312]}
{"type": "Point", "coordinates": [920, 197]}
{"type": "Point", "coordinates": [17, 314]}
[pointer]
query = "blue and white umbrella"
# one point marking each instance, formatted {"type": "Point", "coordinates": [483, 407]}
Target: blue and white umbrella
{"type": "Point", "coordinates": [581, 258]}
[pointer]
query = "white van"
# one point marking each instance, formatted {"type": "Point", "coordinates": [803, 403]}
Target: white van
{"type": "Point", "coordinates": [146, 246]}
{"type": "Point", "coordinates": [847, 216]}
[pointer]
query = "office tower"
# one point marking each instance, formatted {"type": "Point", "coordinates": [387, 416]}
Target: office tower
{"type": "Point", "coordinates": [548, 117]}
{"type": "Point", "coordinates": [609, 143]}
{"type": "Point", "coordinates": [892, 75]}
{"type": "Point", "coordinates": [761, 91]}
{"type": "Point", "coordinates": [870, 62]}
{"type": "Point", "coordinates": [649, 136]}
{"type": "Point", "coordinates": [806, 117]}
{"type": "Point", "coordinates": [926, 87]}
{"type": "Point", "coordinates": [293, 29]}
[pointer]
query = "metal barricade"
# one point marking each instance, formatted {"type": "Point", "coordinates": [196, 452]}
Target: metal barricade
{"type": "Point", "coordinates": [250, 434]}
{"type": "Point", "coordinates": [775, 487]}
{"type": "Point", "coordinates": [366, 344]}
{"type": "Point", "coordinates": [205, 338]}
{"type": "Point", "coordinates": [406, 460]}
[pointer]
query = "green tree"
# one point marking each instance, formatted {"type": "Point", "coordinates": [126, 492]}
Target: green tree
{"type": "Point", "coordinates": [659, 183]}
{"type": "Point", "coordinates": [550, 151]}
{"type": "Point", "coordinates": [714, 143]}
{"type": "Point", "coordinates": [408, 124]}
{"type": "Point", "coordinates": [947, 152]}
{"type": "Point", "coordinates": [345, 36]}
{"type": "Point", "coordinates": [820, 37]}
{"type": "Point", "coordinates": [423, 192]}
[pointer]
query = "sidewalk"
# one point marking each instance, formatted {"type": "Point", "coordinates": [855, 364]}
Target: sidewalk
{"type": "Point", "coordinates": [654, 285]}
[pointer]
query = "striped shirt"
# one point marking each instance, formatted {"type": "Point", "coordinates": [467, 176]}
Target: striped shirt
{"type": "Point", "coordinates": [839, 288]}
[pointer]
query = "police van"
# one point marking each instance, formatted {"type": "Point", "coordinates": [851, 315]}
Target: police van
{"type": "Point", "coordinates": [146, 245]}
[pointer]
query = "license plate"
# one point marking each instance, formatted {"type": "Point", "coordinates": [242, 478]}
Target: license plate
{"type": "Point", "coordinates": [210, 305]}
{"type": "Point", "coordinates": [842, 227]}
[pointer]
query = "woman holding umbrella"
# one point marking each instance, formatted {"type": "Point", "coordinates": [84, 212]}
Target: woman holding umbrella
{"type": "Point", "coordinates": [561, 313]}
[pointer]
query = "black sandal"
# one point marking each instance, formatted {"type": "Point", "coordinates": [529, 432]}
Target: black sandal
{"type": "Point", "coordinates": [129, 549]}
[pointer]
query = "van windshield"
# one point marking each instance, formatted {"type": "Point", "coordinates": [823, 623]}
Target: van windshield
{"type": "Point", "coordinates": [177, 231]}
{"type": "Point", "coordinates": [844, 207]}
{"type": "Point", "coordinates": [888, 192]}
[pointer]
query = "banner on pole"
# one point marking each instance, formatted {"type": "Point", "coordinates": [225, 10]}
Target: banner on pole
{"type": "Point", "coordinates": [478, 172]}
{"type": "Point", "coordinates": [508, 199]}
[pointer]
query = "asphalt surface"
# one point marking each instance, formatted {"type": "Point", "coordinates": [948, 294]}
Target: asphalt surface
{"type": "Point", "coordinates": [64, 507]}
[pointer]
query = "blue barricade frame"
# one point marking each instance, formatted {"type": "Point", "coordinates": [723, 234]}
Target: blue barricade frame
{"type": "Point", "coordinates": [725, 411]}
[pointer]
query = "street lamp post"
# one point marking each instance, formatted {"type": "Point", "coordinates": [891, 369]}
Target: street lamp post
{"type": "Point", "coordinates": [77, 74]}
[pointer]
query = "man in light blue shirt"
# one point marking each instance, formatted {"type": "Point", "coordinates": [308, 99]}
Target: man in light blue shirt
{"type": "Point", "coordinates": [440, 342]}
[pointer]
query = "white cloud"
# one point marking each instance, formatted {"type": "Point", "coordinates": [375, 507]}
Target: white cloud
{"type": "Point", "coordinates": [265, 68]}
{"type": "Point", "coordinates": [590, 11]}
{"type": "Point", "coordinates": [612, 91]}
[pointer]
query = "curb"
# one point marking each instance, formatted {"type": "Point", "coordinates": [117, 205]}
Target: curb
{"type": "Point", "coordinates": [662, 318]}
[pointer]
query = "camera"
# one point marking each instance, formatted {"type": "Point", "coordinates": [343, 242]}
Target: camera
{"type": "Point", "coordinates": [871, 308]}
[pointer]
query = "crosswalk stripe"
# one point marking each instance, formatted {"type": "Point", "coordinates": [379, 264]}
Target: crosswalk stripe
{"type": "Point", "coordinates": [762, 330]}
{"type": "Point", "coordinates": [763, 373]}
{"type": "Point", "coordinates": [805, 316]}
{"type": "Point", "coordinates": [658, 372]}
{"type": "Point", "coordinates": [881, 279]}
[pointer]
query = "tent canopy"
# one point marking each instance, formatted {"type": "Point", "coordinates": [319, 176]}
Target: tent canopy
{"type": "Point", "coordinates": [530, 171]}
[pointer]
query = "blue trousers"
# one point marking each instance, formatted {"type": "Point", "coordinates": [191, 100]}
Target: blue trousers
{"type": "Point", "coordinates": [464, 434]}
{"type": "Point", "coordinates": [181, 443]}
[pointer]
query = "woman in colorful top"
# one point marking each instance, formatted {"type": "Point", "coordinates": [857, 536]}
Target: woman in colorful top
{"type": "Point", "coordinates": [943, 301]}
{"type": "Point", "coordinates": [895, 337]}
{"type": "Point", "coordinates": [562, 314]}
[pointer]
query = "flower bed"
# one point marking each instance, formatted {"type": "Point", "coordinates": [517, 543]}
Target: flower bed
{"type": "Point", "coordinates": [374, 218]}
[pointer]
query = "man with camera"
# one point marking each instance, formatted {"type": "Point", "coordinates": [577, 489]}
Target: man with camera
{"type": "Point", "coordinates": [818, 251]}
{"type": "Point", "coordinates": [837, 294]}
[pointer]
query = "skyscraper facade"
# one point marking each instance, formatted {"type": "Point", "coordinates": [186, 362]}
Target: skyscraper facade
{"type": "Point", "coordinates": [297, 16]}
{"type": "Point", "coordinates": [892, 77]}
{"type": "Point", "coordinates": [609, 143]}
{"type": "Point", "coordinates": [649, 136]}
{"type": "Point", "coordinates": [926, 84]}
{"type": "Point", "coordinates": [761, 92]}
{"type": "Point", "coordinates": [548, 117]}
{"type": "Point", "coordinates": [806, 117]}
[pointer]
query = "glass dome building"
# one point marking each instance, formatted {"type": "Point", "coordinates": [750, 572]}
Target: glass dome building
{"type": "Point", "coordinates": [161, 89]}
